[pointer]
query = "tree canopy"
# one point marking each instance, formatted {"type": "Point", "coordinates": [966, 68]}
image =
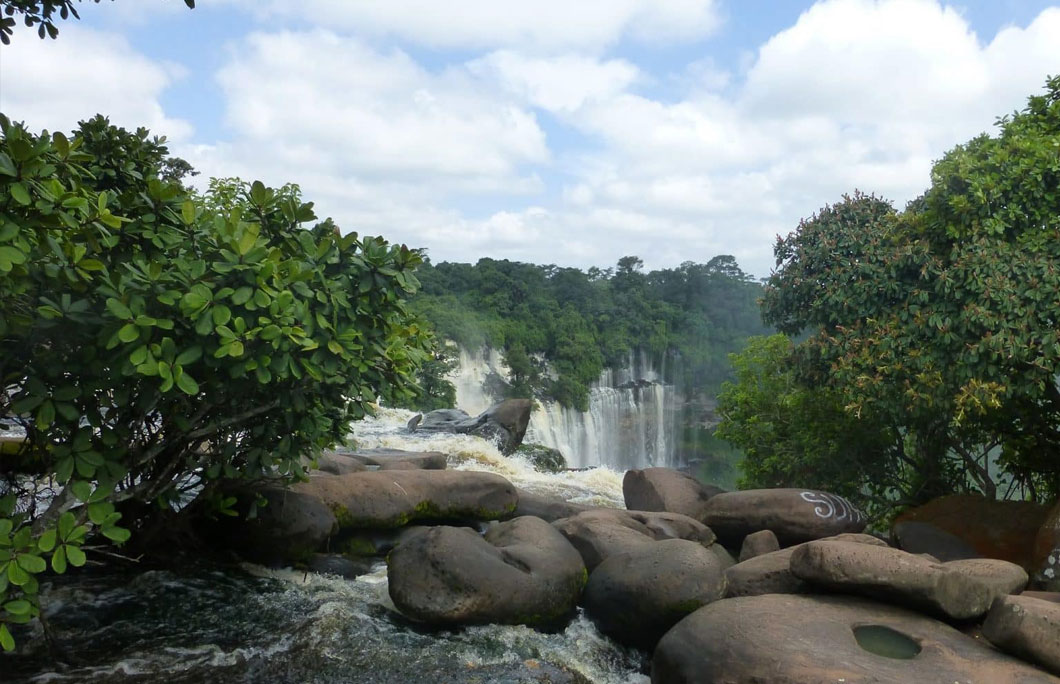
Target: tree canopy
{"type": "Point", "coordinates": [42, 14]}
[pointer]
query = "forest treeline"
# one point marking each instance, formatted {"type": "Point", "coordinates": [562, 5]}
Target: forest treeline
{"type": "Point", "coordinates": [558, 328]}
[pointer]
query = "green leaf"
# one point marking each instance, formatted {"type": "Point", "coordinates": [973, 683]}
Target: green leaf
{"type": "Point", "coordinates": [81, 489]}
{"type": "Point", "coordinates": [31, 563]}
{"type": "Point", "coordinates": [7, 642]}
{"type": "Point", "coordinates": [75, 555]}
{"type": "Point", "coordinates": [45, 415]}
{"type": "Point", "coordinates": [59, 560]}
{"type": "Point", "coordinates": [128, 333]}
{"type": "Point", "coordinates": [189, 355]}
{"type": "Point", "coordinates": [242, 295]}
{"type": "Point", "coordinates": [116, 307]}
{"type": "Point", "coordinates": [66, 525]}
{"type": "Point", "coordinates": [117, 534]}
{"type": "Point", "coordinates": [257, 193]}
{"type": "Point", "coordinates": [98, 512]}
{"type": "Point", "coordinates": [12, 255]}
{"type": "Point", "coordinates": [7, 167]}
{"type": "Point", "coordinates": [187, 212]}
{"type": "Point", "coordinates": [187, 384]}
{"type": "Point", "coordinates": [5, 526]}
{"type": "Point", "coordinates": [47, 540]}
{"type": "Point", "coordinates": [18, 607]}
{"type": "Point", "coordinates": [221, 314]}
{"type": "Point", "coordinates": [20, 194]}
{"type": "Point", "coordinates": [16, 574]}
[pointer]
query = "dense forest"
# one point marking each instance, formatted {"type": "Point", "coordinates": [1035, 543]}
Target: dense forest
{"type": "Point", "coordinates": [558, 328]}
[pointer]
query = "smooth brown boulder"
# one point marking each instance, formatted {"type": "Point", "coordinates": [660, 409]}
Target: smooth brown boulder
{"type": "Point", "coordinates": [789, 639]}
{"type": "Point", "coordinates": [758, 543]}
{"type": "Point", "coordinates": [892, 575]}
{"type": "Point", "coordinates": [1002, 577]}
{"type": "Point", "coordinates": [600, 533]}
{"type": "Point", "coordinates": [1046, 560]}
{"type": "Point", "coordinates": [290, 528]}
{"type": "Point", "coordinates": [994, 529]}
{"type": "Point", "coordinates": [770, 573]}
{"type": "Point", "coordinates": [386, 499]}
{"type": "Point", "coordinates": [664, 489]}
{"type": "Point", "coordinates": [521, 572]}
{"type": "Point", "coordinates": [794, 515]}
{"type": "Point", "coordinates": [1028, 628]}
{"type": "Point", "coordinates": [637, 596]}
{"type": "Point", "coordinates": [924, 538]}
{"type": "Point", "coordinates": [339, 463]}
{"type": "Point", "coordinates": [546, 507]}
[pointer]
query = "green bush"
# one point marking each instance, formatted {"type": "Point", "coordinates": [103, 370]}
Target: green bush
{"type": "Point", "coordinates": [155, 343]}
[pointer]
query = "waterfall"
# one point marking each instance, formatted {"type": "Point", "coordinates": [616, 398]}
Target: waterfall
{"type": "Point", "coordinates": [476, 376]}
{"type": "Point", "coordinates": [630, 422]}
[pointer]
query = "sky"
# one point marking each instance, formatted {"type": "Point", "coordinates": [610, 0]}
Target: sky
{"type": "Point", "coordinates": [567, 132]}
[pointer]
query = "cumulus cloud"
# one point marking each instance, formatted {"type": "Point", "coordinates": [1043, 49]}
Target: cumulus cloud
{"type": "Point", "coordinates": [486, 24]}
{"type": "Point", "coordinates": [54, 84]}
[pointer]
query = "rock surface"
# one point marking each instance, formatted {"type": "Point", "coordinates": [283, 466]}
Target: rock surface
{"type": "Point", "coordinates": [892, 575]}
{"type": "Point", "coordinates": [600, 533]}
{"type": "Point", "coordinates": [921, 537]}
{"type": "Point", "coordinates": [1046, 560]}
{"type": "Point", "coordinates": [521, 572]}
{"type": "Point", "coordinates": [379, 500]}
{"type": "Point", "coordinates": [504, 423]}
{"type": "Point", "coordinates": [1002, 577]}
{"type": "Point", "coordinates": [786, 639]}
{"type": "Point", "coordinates": [637, 596]}
{"type": "Point", "coordinates": [290, 528]}
{"type": "Point", "coordinates": [794, 515]}
{"type": "Point", "coordinates": [758, 543]}
{"type": "Point", "coordinates": [548, 508]}
{"type": "Point", "coordinates": [994, 529]}
{"type": "Point", "coordinates": [1028, 628]}
{"type": "Point", "coordinates": [343, 461]}
{"type": "Point", "coordinates": [664, 489]}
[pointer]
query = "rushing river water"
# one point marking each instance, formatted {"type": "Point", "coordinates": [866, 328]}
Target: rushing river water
{"type": "Point", "coordinates": [204, 624]}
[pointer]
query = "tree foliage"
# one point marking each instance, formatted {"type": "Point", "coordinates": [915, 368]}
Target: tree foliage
{"type": "Point", "coordinates": [155, 344]}
{"type": "Point", "coordinates": [942, 320]}
{"type": "Point", "coordinates": [42, 14]}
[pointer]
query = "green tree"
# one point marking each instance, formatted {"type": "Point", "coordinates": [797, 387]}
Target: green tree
{"type": "Point", "coordinates": [942, 320]}
{"type": "Point", "coordinates": [41, 13]}
{"type": "Point", "coordinates": [155, 345]}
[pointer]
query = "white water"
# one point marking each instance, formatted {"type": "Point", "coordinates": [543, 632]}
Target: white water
{"type": "Point", "coordinates": [630, 422]}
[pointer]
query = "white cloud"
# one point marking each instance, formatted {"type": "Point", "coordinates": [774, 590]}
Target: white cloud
{"type": "Point", "coordinates": [485, 24]}
{"type": "Point", "coordinates": [54, 84]}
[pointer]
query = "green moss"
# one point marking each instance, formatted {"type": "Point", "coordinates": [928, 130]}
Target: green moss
{"type": "Point", "coordinates": [359, 546]}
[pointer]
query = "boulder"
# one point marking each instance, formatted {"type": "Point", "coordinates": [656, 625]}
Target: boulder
{"type": "Point", "coordinates": [892, 575]}
{"type": "Point", "coordinates": [290, 528]}
{"type": "Point", "coordinates": [544, 459]}
{"type": "Point", "coordinates": [504, 423]}
{"type": "Point", "coordinates": [521, 572]}
{"type": "Point", "coordinates": [339, 463]}
{"type": "Point", "coordinates": [342, 461]}
{"type": "Point", "coordinates": [787, 639]}
{"type": "Point", "coordinates": [1050, 596]}
{"type": "Point", "coordinates": [1002, 577]}
{"type": "Point", "coordinates": [727, 561]}
{"type": "Point", "coordinates": [924, 538]}
{"type": "Point", "coordinates": [637, 596]}
{"type": "Point", "coordinates": [665, 489]}
{"type": "Point", "coordinates": [550, 508]}
{"type": "Point", "coordinates": [380, 500]}
{"type": "Point", "coordinates": [770, 573]}
{"type": "Point", "coordinates": [1046, 560]}
{"type": "Point", "coordinates": [794, 515]}
{"type": "Point", "coordinates": [1028, 628]}
{"type": "Point", "coordinates": [337, 564]}
{"type": "Point", "coordinates": [602, 532]}
{"type": "Point", "coordinates": [758, 543]}
{"type": "Point", "coordinates": [993, 529]}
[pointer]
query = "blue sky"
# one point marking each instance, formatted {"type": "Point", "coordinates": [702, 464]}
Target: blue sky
{"type": "Point", "coordinates": [570, 132]}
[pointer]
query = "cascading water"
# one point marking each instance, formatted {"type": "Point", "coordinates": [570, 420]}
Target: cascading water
{"type": "Point", "coordinates": [630, 422]}
{"type": "Point", "coordinates": [201, 624]}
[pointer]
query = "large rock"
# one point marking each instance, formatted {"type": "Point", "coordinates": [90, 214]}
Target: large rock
{"type": "Point", "coordinates": [921, 537]}
{"type": "Point", "coordinates": [993, 529]}
{"type": "Point", "coordinates": [637, 596]}
{"type": "Point", "coordinates": [794, 515]}
{"type": "Point", "coordinates": [770, 573]}
{"type": "Point", "coordinates": [787, 639]}
{"type": "Point", "coordinates": [343, 461]}
{"type": "Point", "coordinates": [1002, 577]}
{"type": "Point", "coordinates": [600, 533]}
{"type": "Point", "coordinates": [550, 508]}
{"type": "Point", "coordinates": [1046, 560]}
{"type": "Point", "coordinates": [504, 424]}
{"type": "Point", "coordinates": [521, 572]}
{"type": "Point", "coordinates": [290, 528]}
{"type": "Point", "coordinates": [377, 500]}
{"type": "Point", "coordinates": [892, 575]}
{"type": "Point", "coordinates": [665, 489]}
{"type": "Point", "coordinates": [758, 543]}
{"type": "Point", "coordinates": [1028, 628]}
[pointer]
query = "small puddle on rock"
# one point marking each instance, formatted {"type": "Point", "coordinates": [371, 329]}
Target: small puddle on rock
{"type": "Point", "coordinates": [886, 642]}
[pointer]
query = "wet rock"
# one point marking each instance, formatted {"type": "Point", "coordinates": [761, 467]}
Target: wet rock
{"type": "Point", "coordinates": [546, 507]}
{"type": "Point", "coordinates": [637, 596]}
{"type": "Point", "coordinates": [787, 639]}
{"type": "Point", "coordinates": [544, 459]}
{"type": "Point", "coordinates": [600, 533]}
{"type": "Point", "coordinates": [794, 515]}
{"type": "Point", "coordinates": [993, 529]}
{"type": "Point", "coordinates": [379, 500]}
{"type": "Point", "coordinates": [665, 489]}
{"type": "Point", "coordinates": [339, 463]}
{"type": "Point", "coordinates": [758, 543]}
{"type": "Point", "coordinates": [290, 528]}
{"type": "Point", "coordinates": [343, 566]}
{"type": "Point", "coordinates": [770, 573]}
{"type": "Point", "coordinates": [1046, 561]}
{"type": "Point", "coordinates": [521, 572]}
{"type": "Point", "coordinates": [343, 461]}
{"type": "Point", "coordinates": [1002, 577]}
{"type": "Point", "coordinates": [504, 423]}
{"type": "Point", "coordinates": [1028, 628]}
{"type": "Point", "coordinates": [892, 575]}
{"type": "Point", "coordinates": [921, 537]}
